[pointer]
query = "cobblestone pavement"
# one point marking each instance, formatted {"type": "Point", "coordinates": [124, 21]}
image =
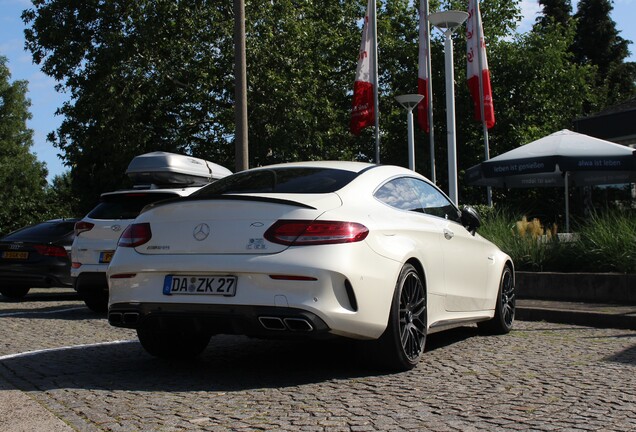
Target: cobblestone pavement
{"type": "Point", "coordinates": [540, 377]}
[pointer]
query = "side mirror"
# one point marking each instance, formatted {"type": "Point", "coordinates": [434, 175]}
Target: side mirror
{"type": "Point", "coordinates": [470, 219]}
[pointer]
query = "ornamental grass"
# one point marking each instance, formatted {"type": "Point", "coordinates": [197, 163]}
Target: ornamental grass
{"type": "Point", "coordinates": [602, 242]}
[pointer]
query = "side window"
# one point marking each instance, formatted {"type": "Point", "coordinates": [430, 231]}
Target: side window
{"type": "Point", "coordinates": [435, 203]}
{"type": "Point", "coordinates": [412, 194]}
{"type": "Point", "coordinates": [400, 194]}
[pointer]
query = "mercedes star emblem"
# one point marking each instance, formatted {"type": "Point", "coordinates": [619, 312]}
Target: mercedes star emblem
{"type": "Point", "coordinates": [201, 232]}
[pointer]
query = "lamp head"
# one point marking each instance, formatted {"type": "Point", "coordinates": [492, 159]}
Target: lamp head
{"type": "Point", "coordinates": [409, 101]}
{"type": "Point", "coordinates": [448, 19]}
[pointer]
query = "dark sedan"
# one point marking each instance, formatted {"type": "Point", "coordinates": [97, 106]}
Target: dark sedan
{"type": "Point", "coordinates": [37, 256]}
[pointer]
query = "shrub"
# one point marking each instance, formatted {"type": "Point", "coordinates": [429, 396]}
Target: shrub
{"type": "Point", "coordinates": [605, 242]}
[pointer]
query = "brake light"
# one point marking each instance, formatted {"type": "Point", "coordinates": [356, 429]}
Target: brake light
{"type": "Point", "coordinates": [301, 233]}
{"type": "Point", "coordinates": [83, 226]}
{"type": "Point", "coordinates": [54, 251]}
{"type": "Point", "coordinates": [123, 276]}
{"type": "Point", "coordinates": [135, 235]}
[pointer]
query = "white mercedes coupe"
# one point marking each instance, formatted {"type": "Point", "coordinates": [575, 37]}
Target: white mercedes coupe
{"type": "Point", "coordinates": [311, 249]}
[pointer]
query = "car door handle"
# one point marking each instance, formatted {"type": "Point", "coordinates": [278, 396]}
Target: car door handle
{"type": "Point", "coordinates": [448, 234]}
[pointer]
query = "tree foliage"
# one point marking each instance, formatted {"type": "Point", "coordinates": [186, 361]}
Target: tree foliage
{"type": "Point", "coordinates": [597, 42]}
{"type": "Point", "coordinates": [158, 75]}
{"type": "Point", "coordinates": [23, 178]}
{"type": "Point", "coordinates": [143, 76]}
{"type": "Point", "coordinates": [557, 12]}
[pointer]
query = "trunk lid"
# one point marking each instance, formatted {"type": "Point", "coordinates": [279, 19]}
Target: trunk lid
{"type": "Point", "coordinates": [227, 224]}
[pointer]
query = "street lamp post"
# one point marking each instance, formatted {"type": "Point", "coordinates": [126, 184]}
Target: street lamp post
{"type": "Point", "coordinates": [448, 22]}
{"type": "Point", "coordinates": [410, 101]}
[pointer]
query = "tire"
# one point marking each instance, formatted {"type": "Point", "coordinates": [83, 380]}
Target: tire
{"type": "Point", "coordinates": [504, 317]}
{"type": "Point", "coordinates": [14, 293]}
{"type": "Point", "coordinates": [97, 301]}
{"type": "Point", "coordinates": [174, 345]}
{"type": "Point", "coordinates": [401, 345]}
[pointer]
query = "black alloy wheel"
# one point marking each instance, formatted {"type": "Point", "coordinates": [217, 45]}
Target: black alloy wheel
{"type": "Point", "coordinates": [402, 343]}
{"type": "Point", "coordinates": [504, 308]}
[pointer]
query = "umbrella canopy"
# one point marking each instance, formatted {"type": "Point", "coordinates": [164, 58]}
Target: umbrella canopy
{"type": "Point", "coordinates": [544, 162]}
{"type": "Point", "coordinates": [558, 160]}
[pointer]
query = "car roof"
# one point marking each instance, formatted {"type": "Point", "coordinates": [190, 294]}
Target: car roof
{"type": "Point", "coordinates": [342, 165]}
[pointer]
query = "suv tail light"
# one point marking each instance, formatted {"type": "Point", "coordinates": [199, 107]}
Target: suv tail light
{"type": "Point", "coordinates": [48, 250]}
{"type": "Point", "coordinates": [82, 226]}
{"type": "Point", "coordinates": [301, 233]}
{"type": "Point", "coordinates": [135, 235]}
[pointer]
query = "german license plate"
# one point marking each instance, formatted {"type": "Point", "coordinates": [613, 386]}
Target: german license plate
{"type": "Point", "coordinates": [201, 285]}
{"type": "Point", "coordinates": [106, 256]}
{"type": "Point", "coordinates": [15, 255]}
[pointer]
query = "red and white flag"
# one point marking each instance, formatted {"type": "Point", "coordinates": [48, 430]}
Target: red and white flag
{"type": "Point", "coordinates": [362, 112]}
{"type": "Point", "coordinates": [476, 56]}
{"type": "Point", "coordinates": [423, 80]}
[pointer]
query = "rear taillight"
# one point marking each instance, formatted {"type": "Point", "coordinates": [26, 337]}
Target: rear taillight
{"type": "Point", "coordinates": [300, 233]}
{"type": "Point", "coordinates": [135, 235]}
{"type": "Point", "coordinates": [82, 226]}
{"type": "Point", "coordinates": [53, 251]}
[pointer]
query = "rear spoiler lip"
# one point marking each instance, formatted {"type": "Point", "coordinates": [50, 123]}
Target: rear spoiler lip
{"type": "Point", "coordinates": [228, 198]}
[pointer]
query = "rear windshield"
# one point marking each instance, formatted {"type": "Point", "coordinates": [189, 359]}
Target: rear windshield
{"type": "Point", "coordinates": [44, 232]}
{"type": "Point", "coordinates": [126, 206]}
{"type": "Point", "coordinates": [290, 180]}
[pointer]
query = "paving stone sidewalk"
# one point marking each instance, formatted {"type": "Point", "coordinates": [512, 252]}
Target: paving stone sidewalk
{"type": "Point", "coordinates": [541, 377]}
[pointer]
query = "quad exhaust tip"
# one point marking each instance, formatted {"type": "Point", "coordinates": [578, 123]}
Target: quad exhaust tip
{"type": "Point", "coordinates": [127, 318]}
{"type": "Point", "coordinates": [285, 324]}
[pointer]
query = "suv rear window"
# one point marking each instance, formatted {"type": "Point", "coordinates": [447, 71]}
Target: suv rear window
{"type": "Point", "coordinates": [43, 232]}
{"type": "Point", "coordinates": [280, 180]}
{"type": "Point", "coordinates": [126, 206]}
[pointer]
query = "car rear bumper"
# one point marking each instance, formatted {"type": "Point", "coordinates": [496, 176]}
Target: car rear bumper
{"type": "Point", "coordinates": [258, 321]}
{"type": "Point", "coordinates": [88, 268]}
{"type": "Point", "coordinates": [91, 281]}
{"type": "Point", "coordinates": [35, 280]}
{"type": "Point", "coordinates": [349, 288]}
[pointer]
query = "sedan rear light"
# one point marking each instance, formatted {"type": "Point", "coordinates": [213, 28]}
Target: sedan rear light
{"type": "Point", "coordinates": [301, 233]}
{"type": "Point", "coordinates": [135, 235]}
{"type": "Point", "coordinates": [53, 251]}
{"type": "Point", "coordinates": [82, 226]}
{"type": "Point", "coordinates": [123, 276]}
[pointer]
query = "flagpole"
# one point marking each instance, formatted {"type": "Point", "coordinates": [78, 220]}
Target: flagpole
{"type": "Point", "coordinates": [482, 110]}
{"type": "Point", "coordinates": [376, 109]}
{"type": "Point", "coordinates": [429, 90]}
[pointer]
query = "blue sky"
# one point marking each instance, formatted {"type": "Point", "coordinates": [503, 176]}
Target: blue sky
{"type": "Point", "coordinates": [45, 100]}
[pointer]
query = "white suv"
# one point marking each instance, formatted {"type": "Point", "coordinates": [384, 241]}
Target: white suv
{"type": "Point", "coordinates": [96, 235]}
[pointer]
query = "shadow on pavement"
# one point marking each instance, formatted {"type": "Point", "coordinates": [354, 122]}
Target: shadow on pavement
{"type": "Point", "coordinates": [230, 363]}
{"type": "Point", "coordinates": [70, 312]}
{"type": "Point", "coordinates": [43, 296]}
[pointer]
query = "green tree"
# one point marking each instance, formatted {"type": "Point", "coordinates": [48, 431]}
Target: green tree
{"type": "Point", "coordinates": [300, 70]}
{"type": "Point", "coordinates": [554, 12]}
{"type": "Point", "coordinates": [597, 42]}
{"type": "Point", "coordinates": [157, 75]}
{"type": "Point", "coordinates": [60, 199]}
{"type": "Point", "coordinates": [22, 176]}
{"type": "Point", "coordinates": [142, 75]}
